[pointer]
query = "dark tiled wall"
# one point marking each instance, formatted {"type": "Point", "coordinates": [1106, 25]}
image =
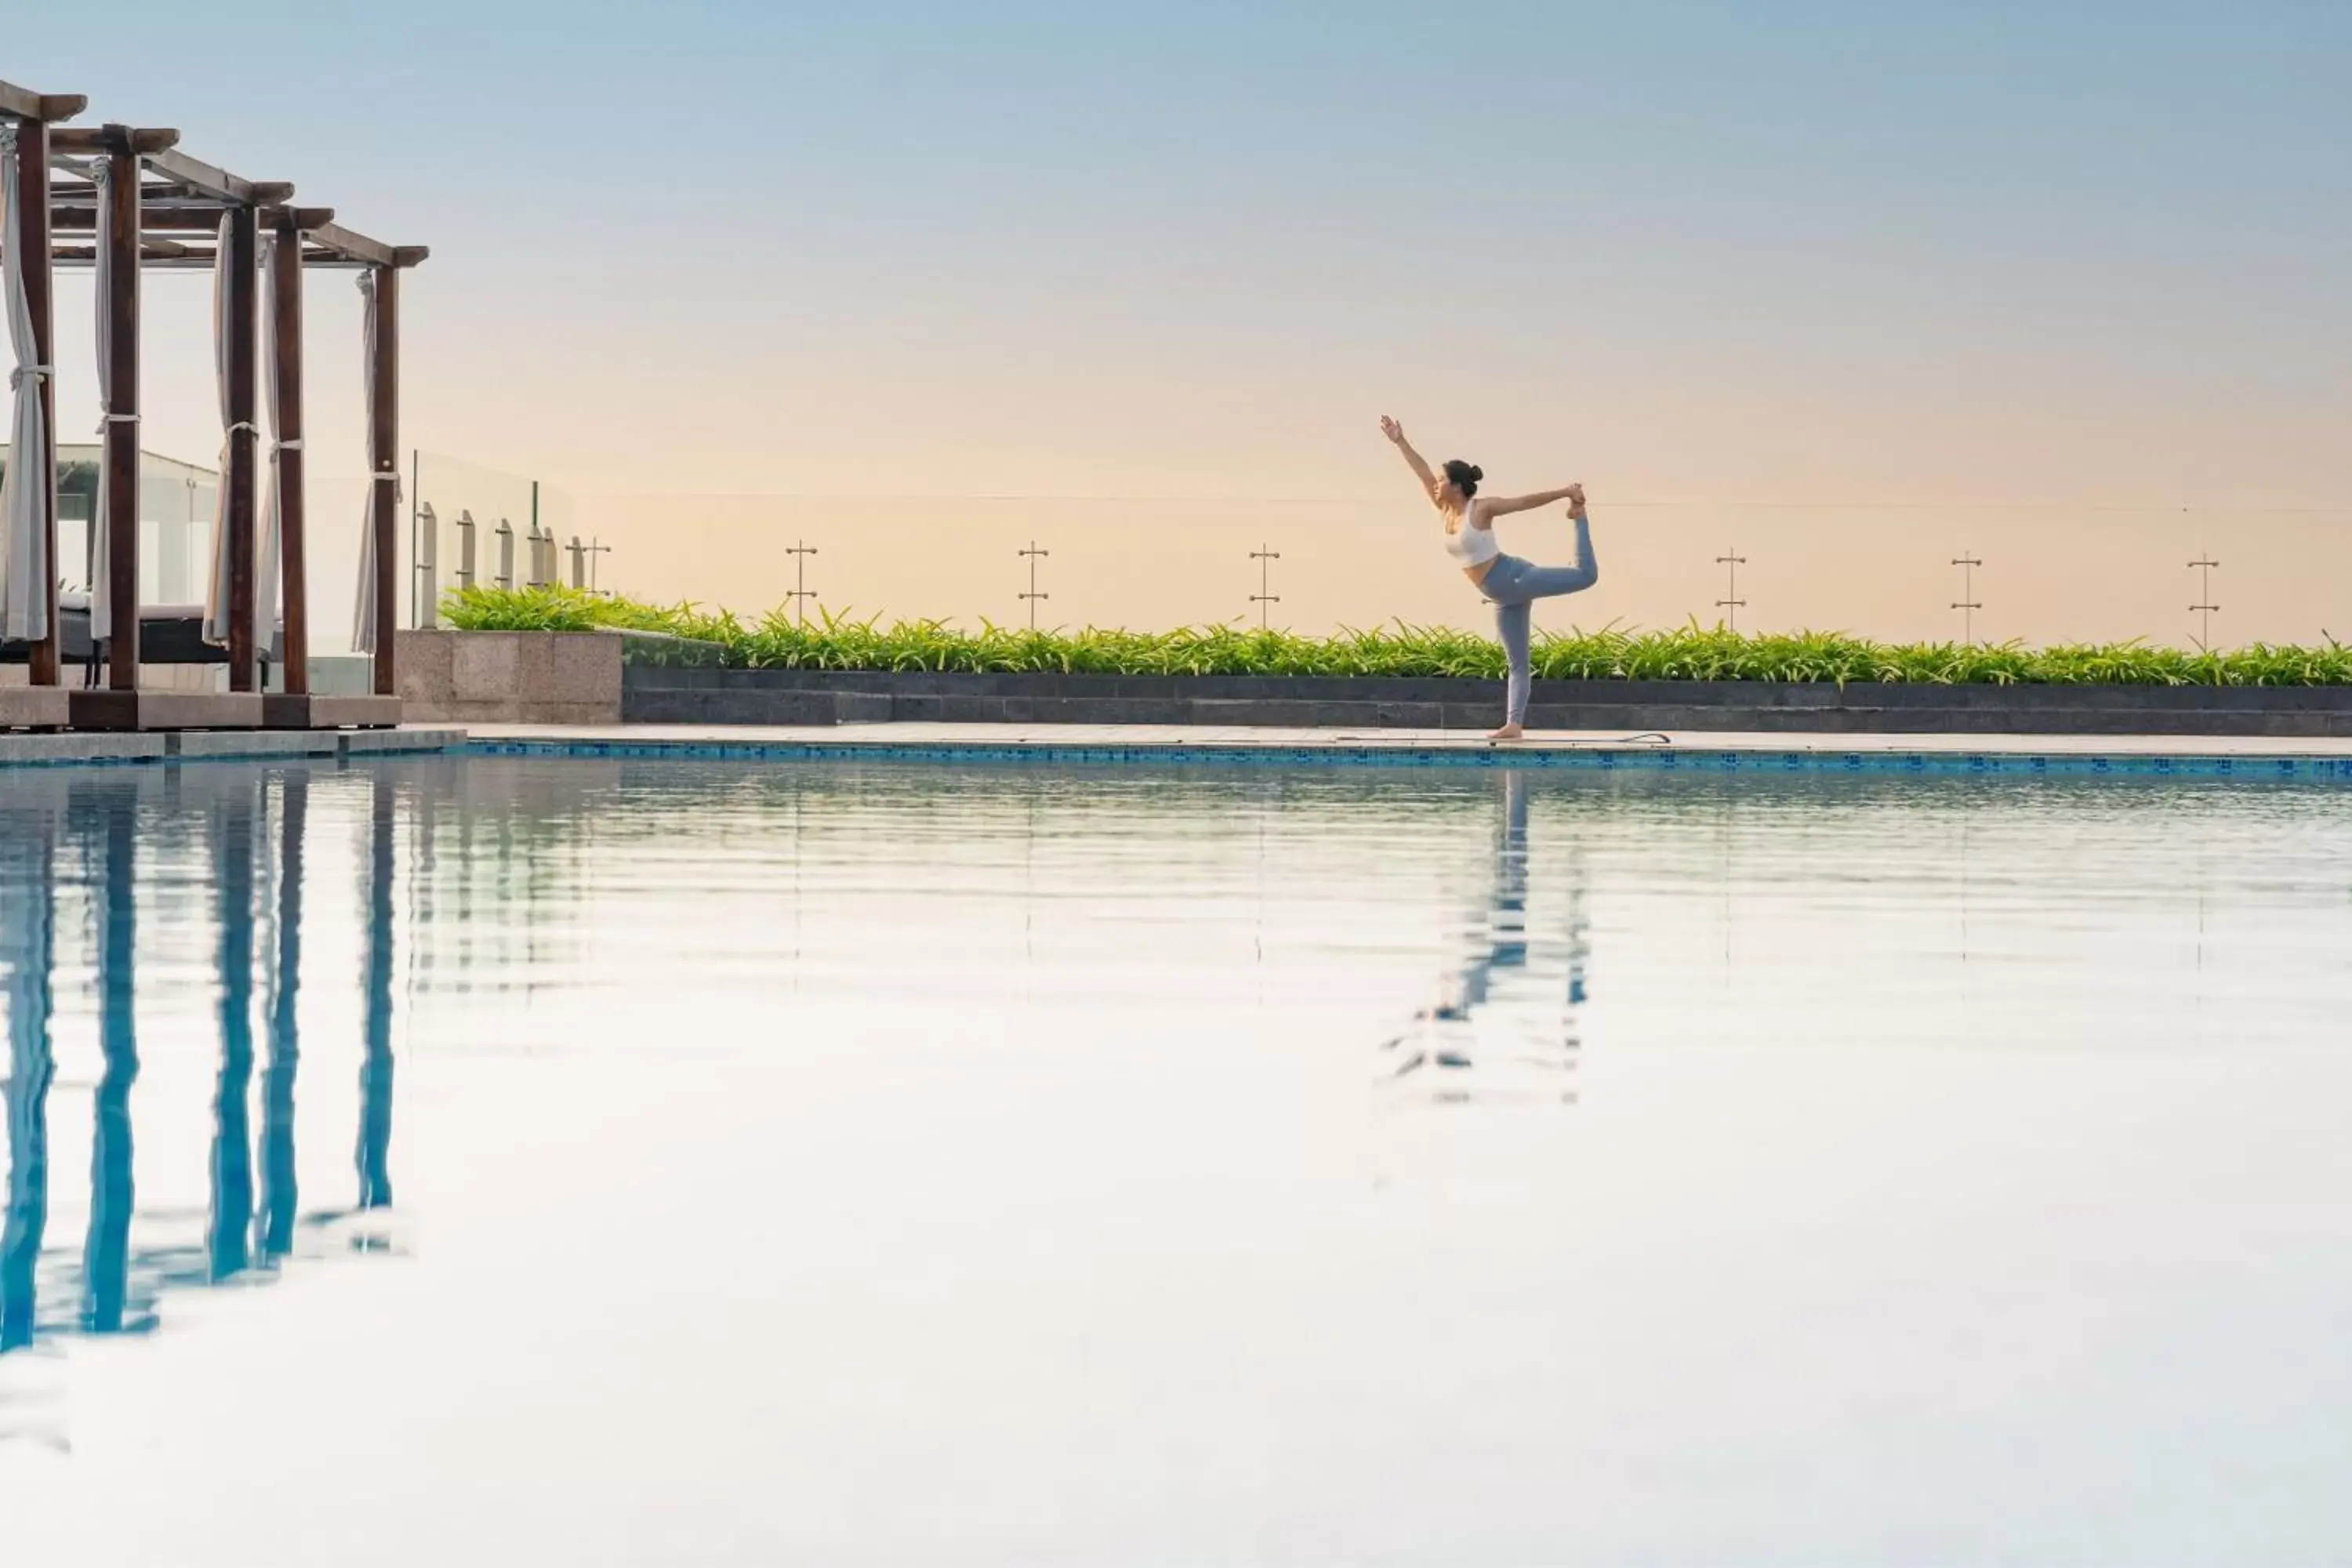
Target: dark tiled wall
{"type": "Point", "coordinates": [655, 696]}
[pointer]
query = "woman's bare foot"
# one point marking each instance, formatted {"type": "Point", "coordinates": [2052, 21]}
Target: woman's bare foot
{"type": "Point", "coordinates": [1576, 502]}
{"type": "Point", "coordinates": [1507, 733]}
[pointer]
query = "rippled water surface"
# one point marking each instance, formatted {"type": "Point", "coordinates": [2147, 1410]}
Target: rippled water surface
{"type": "Point", "coordinates": [487, 1161]}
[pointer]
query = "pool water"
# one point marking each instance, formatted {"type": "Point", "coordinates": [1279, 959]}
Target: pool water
{"type": "Point", "coordinates": [582, 1162]}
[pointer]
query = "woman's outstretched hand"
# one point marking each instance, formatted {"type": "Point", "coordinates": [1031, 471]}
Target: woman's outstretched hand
{"type": "Point", "coordinates": [1576, 502]}
{"type": "Point", "coordinates": [1392, 429]}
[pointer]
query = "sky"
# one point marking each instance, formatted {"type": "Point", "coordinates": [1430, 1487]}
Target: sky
{"type": "Point", "coordinates": [1845, 289]}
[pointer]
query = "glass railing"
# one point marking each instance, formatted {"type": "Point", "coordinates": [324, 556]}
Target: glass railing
{"type": "Point", "coordinates": [473, 525]}
{"type": "Point", "coordinates": [2041, 573]}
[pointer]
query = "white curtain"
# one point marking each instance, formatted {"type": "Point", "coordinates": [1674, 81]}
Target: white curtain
{"type": "Point", "coordinates": [29, 491]}
{"type": "Point", "coordinates": [266, 571]}
{"type": "Point", "coordinates": [363, 629]}
{"type": "Point", "coordinates": [102, 555]}
{"type": "Point", "coordinates": [217, 591]}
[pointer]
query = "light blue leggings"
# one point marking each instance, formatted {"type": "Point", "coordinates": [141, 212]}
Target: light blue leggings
{"type": "Point", "coordinates": [1513, 586]}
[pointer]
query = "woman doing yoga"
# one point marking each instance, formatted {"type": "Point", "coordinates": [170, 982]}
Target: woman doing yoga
{"type": "Point", "coordinates": [1511, 584]}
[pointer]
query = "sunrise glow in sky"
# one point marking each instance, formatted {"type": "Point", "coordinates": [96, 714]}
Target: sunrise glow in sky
{"type": "Point", "coordinates": [1852, 287]}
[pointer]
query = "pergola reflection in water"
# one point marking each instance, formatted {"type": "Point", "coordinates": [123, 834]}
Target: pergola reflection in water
{"type": "Point", "coordinates": [77, 850]}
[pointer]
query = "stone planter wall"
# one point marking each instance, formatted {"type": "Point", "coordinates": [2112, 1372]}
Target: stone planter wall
{"type": "Point", "coordinates": [509, 678]}
{"type": "Point", "coordinates": [613, 678]}
{"type": "Point", "coordinates": [705, 696]}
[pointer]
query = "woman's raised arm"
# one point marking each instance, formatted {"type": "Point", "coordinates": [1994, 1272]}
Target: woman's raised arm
{"type": "Point", "coordinates": [1395, 433]}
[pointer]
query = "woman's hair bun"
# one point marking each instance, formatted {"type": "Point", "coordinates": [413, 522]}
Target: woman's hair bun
{"type": "Point", "coordinates": [1476, 472]}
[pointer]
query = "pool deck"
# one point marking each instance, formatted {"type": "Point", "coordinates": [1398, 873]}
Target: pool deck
{"type": "Point", "coordinates": [98, 747]}
{"type": "Point", "coordinates": [2254, 756]}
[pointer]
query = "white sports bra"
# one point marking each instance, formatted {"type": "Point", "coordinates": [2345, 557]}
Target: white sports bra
{"type": "Point", "coordinates": [1472, 546]}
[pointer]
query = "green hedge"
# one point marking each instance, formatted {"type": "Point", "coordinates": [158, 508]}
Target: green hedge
{"type": "Point", "coordinates": [1691, 653]}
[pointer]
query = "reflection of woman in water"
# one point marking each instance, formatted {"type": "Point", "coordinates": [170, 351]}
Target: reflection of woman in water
{"type": "Point", "coordinates": [1511, 584]}
{"type": "Point", "coordinates": [1444, 1034]}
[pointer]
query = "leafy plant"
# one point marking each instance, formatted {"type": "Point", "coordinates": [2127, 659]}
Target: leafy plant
{"type": "Point", "coordinates": [779, 640]}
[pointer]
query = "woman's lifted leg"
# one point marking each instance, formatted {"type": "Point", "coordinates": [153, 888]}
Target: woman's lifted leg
{"type": "Point", "coordinates": [1514, 586]}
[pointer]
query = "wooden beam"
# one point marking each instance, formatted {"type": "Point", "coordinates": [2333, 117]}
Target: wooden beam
{"type": "Point", "coordinates": [329, 243]}
{"type": "Point", "coordinates": [39, 108]}
{"type": "Point", "coordinates": [201, 177]}
{"type": "Point", "coordinates": [77, 219]}
{"type": "Point", "coordinates": [33, 192]}
{"type": "Point", "coordinates": [218, 183]}
{"type": "Point", "coordinates": [153, 195]}
{"type": "Point", "coordinates": [122, 437]}
{"type": "Point", "coordinates": [337, 240]}
{"type": "Point", "coordinates": [193, 261]}
{"type": "Point", "coordinates": [355, 246]}
{"type": "Point", "coordinates": [285, 347]}
{"type": "Point", "coordinates": [106, 139]}
{"type": "Point", "coordinates": [150, 248]}
{"type": "Point", "coordinates": [238, 322]}
{"type": "Point", "coordinates": [172, 198]}
{"type": "Point", "coordinates": [384, 467]}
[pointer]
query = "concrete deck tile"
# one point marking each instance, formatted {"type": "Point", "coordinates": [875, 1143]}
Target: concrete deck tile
{"type": "Point", "coordinates": [94, 748]}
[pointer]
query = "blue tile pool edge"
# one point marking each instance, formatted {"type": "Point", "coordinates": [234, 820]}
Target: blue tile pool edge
{"type": "Point", "coordinates": [1652, 759]}
{"type": "Point", "coordinates": [1594, 758]}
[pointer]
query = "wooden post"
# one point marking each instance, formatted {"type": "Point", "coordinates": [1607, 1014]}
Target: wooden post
{"type": "Point", "coordinates": [383, 468]}
{"type": "Point", "coordinates": [239, 307]}
{"type": "Point", "coordinates": [286, 314]}
{"type": "Point", "coordinates": [122, 454]}
{"type": "Point", "coordinates": [33, 191]}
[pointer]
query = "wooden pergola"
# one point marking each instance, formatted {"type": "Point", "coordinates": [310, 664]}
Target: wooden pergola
{"type": "Point", "coordinates": [129, 193]}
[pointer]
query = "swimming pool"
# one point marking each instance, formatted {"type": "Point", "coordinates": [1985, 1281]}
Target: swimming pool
{"type": "Point", "coordinates": [489, 1159]}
